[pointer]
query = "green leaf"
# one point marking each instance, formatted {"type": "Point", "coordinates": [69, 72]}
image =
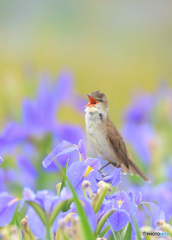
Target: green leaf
{"type": "Point", "coordinates": [59, 207]}
{"type": "Point", "coordinates": [144, 203]}
{"type": "Point", "coordinates": [15, 217]}
{"type": "Point", "coordinates": [61, 234]}
{"type": "Point", "coordinates": [102, 195]}
{"type": "Point", "coordinates": [39, 211]}
{"type": "Point", "coordinates": [137, 230]}
{"type": "Point", "coordinates": [126, 233]}
{"type": "Point", "coordinates": [87, 233]}
{"type": "Point", "coordinates": [104, 231]}
{"type": "Point", "coordinates": [103, 220]}
{"type": "Point", "coordinates": [64, 176]}
{"type": "Point", "coordinates": [113, 233]}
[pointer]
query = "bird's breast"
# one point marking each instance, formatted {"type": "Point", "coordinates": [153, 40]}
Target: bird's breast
{"type": "Point", "coordinates": [96, 135]}
{"type": "Point", "coordinates": [94, 126]}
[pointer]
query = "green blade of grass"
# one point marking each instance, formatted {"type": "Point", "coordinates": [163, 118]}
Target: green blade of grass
{"type": "Point", "coordinates": [39, 211]}
{"type": "Point", "coordinates": [146, 204]}
{"type": "Point", "coordinates": [87, 232]}
{"type": "Point", "coordinates": [137, 230]}
{"type": "Point", "coordinates": [64, 176]}
{"type": "Point", "coordinates": [84, 221]}
{"type": "Point", "coordinates": [113, 233]}
{"type": "Point", "coordinates": [104, 231]}
{"type": "Point", "coordinates": [59, 207]}
{"type": "Point", "coordinates": [127, 232]}
{"type": "Point", "coordinates": [103, 220]}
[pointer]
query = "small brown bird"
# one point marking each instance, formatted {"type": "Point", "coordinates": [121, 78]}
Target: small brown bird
{"type": "Point", "coordinates": [104, 137]}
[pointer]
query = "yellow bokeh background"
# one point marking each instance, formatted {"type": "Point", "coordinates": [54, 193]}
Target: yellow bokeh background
{"type": "Point", "coordinates": [118, 47]}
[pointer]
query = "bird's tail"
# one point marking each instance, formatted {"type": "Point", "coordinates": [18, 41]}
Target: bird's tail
{"type": "Point", "coordinates": [134, 169]}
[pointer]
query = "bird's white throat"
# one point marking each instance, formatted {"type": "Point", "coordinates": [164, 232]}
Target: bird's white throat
{"type": "Point", "coordinates": [94, 117]}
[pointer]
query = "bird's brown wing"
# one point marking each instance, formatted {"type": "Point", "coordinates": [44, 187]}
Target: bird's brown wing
{"type": "Point", "coordinates": [124, 158]}
{"type": "Point", "coordinates": [115, 139]}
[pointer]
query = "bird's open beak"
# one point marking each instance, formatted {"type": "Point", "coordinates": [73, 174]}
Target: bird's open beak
{"type": "Point", "coordinates": [92, 101]}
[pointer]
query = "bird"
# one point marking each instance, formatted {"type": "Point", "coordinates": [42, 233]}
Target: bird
{"type": "Point", "coordinates": [104, 137]}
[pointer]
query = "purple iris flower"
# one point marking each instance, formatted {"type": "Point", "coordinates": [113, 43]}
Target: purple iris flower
{"type": "Point", "coordinates": [8, 206]}
{"type": "Point", "coordinates": [1, 160]}
{"type": "Point", "coordinates": [140, 215]}
{"type": "Point", "coordinates": [81, 148]}
{"type": "Point", "coordinates": [125, 207]}
{"type": "Point", "coordinates": [140, 109]}
{"type": "Point", "coordinates": [138, 197]}
{"type": "Point", "coordinates": [47, 201]}
{"type": "Point", "coordinates": [90, 213]}
{"type": "Point", "coordinates": [137, 129]}
{"type": "Point", "coordinates": [88, 170]}
{"type": "Point", "coordinates": [86, 203]}
{"type": "Point", "coordinates": [162, 195]}
{"type": "Point", "coordinates": [70, 133]}
{"type": "Point", "coordinates": [65, 92]}
{"type": "Point", "coordinates": [62, 150]}
{"type": "Point", "coordinates": [39, 116]}
{"type": "Point", "coordinates": [48, 100]}
{"type": "Point", "coordinates": [114, 177]}
{"type": "Point", "coordinates": [24, 175]}
{"type": "Point", "coordinates": [154, 212]}
{"type": "Point", "coordinates": [28, 173]}
{"type": "Point", "coordinates": [12, 135]}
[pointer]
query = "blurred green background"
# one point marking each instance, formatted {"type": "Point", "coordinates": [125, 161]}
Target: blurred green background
{"type": "Point", "coordinates": [118, 47]}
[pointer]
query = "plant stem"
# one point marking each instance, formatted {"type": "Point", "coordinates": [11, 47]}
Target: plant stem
{"type": "Point", "coordinates": [48, 232]}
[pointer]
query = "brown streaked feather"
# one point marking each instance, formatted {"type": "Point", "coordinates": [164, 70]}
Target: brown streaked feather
{"type": "Point", "coordinates": [97, 94]}
{"type": "Point", "coordinates": [124, 160]}
{"type": "Point", "coordinates": [114, 138]}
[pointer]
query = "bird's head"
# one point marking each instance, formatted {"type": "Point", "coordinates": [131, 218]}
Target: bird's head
{"type": "Point", "coordinates": [98, 100]}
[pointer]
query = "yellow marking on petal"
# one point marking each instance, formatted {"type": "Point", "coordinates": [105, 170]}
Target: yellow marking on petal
{"type": "Point", "coordinates": [119, 203]}
{"type": "Point", "coordinates": [68, 215]}
{"type": "Point", "coordinates": [13, 201]}
{"type": "Point", "coordinates": [89, 169]}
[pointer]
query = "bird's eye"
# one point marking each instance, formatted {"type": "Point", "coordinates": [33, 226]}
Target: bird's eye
{"type": "Point", "coordinates": [100, 100]}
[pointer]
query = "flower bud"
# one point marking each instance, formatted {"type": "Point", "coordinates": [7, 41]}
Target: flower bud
{"type": "Point", "coordinates": [86, 187]}
{"type": "Point", "coordinates": [86, 184]}
{"type": "Point", "coordinates": [58, 187]}
{"type": "Point", "coordinates": [160, 223]}
{"type": "Point", "coordinates": [101, 184]}
{"type": "Point", "coordinates": [23, 225]}
{"type": "Point", "coordinates": [100, 195]}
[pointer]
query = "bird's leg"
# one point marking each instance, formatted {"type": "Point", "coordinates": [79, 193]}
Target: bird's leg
{"type": "Point", "coordinates": [104, 166]}
{"type": "Point", "coordinates": [114, 164]}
